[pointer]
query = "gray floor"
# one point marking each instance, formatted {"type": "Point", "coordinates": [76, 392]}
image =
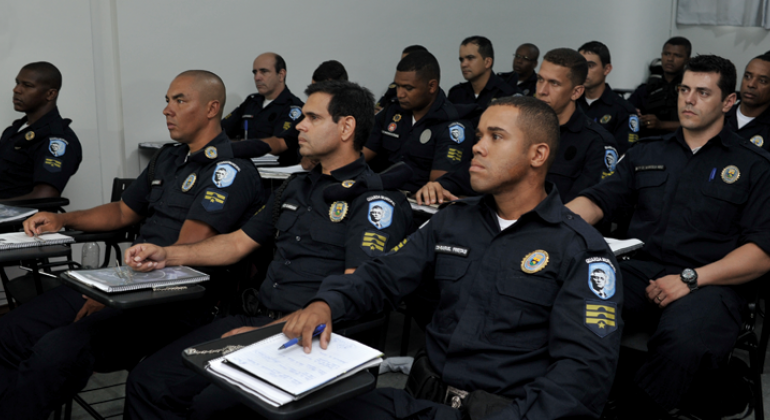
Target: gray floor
{"type": "Point", "coordinates": [114, 405]}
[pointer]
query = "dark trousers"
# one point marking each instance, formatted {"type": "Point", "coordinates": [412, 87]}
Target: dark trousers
{"type": "Point", "coordinates": [691, 335]}
{"type": "Point", "coordinates": [45, 358]}
{"type": "Point", "coordinates": [161, 387]}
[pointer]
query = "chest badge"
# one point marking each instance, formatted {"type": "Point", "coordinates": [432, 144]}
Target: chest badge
{"type": "Point", "coordinates": [425, 136]}
{"type": "Point", "coordinates": [30, 135]}
{"type": "Point", "coordinates": [730, 174]}
{"type": "Point", "coordinates": [189, 182]}
{"type": "Point", "coordinates": [211, 152]}
{"type": "Point", "coordinates": [348, 183]}
{"type": "Point", "coordinates": [338, 211]}
{"type": "Point", "coordinates": [392, 127]}
{"type": "Point", "coordinates": [758, 140]}
{"type": "Point", "coordinates": [534, 261]}
{"type": "Point", "coordinates": [397, 118]}
{"type": "Point", "coordinates": [605, 119]}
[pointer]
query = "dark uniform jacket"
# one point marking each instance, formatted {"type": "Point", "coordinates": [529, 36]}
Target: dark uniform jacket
{"type": "Point", "coordinates": [440, 140]}
{"type": "Point", "coordinates": [691, 210]}
{"type": "Point", "coordinates": [46, 152]}
{"type": "Point", "coordinates": [659, 98]}
{"type": "Point", "coordinates": [756, 131]}
{"type": "Point", "coordinates": [271, 121]}
{"type": "Point", "coordinates": [527, 87]}
{"type": "Point", "coordinates": [462, 93]}
{"type": "Point", "coordinates": [586, 154]}
{"type": "Point", "coordinates": [315, 238]}
{"type": "Point", "coordinates": [517, 316]}
{"type": "Point", "coordinates": [388, 97]}
{"type": "Point", "coordinates": [615, 115]}
{"type": "Point", "coordinates": [185, 187]}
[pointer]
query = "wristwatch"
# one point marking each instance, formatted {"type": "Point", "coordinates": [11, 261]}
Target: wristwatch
{"type": "Point", "coordinates": [690, 278]}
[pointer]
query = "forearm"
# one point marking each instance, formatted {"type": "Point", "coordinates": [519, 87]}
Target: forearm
{"type": "Point", "coordinates": [39, 191]}
{"type": "Point", "coordinates": [742, 265]}
{"type": "Point", "coordinates": [669, 125]}
{"type": "Point", "coordinates": [110, 216]}
{"type": "Point", "coordinates": [277, 144]}
{"type": "Point", "coordinates": [218, 250]}
{"type": "Point", "coordinates": [586, 209]}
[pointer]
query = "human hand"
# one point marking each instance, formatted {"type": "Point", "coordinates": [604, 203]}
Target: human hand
{"type": "Point", "coordinates": [433, 193]}
{"type": "Point", "coordinates": [650, 121]}
{"type": "Point", "coordinates": [666, 290]}
{"type": "Point", "coordinates": [42, 222]}
{"type": "Point", "coordinates": [145, 257]}
{"type": "Point", "coordinates": [303, 323]}
{"type": "Point", "coordinates": [91, 306]}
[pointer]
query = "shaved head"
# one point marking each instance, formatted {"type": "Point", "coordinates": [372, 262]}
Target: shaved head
{"type": "Point", "coordinates": [209, 86]}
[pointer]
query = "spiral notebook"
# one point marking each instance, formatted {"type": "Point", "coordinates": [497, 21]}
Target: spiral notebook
{"type": "Point", "coordinates": [12, 213]}
{"type": "Point", "coordinates": [17, 240]}
{"type": "Point", "coordinates": [124, 279]}
{"type": "Point", "coordinates": [282, 376]}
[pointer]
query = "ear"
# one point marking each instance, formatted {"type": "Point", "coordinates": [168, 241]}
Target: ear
{"type": "Point", "coordinates": [488, 62]}
{"type": "Point", "coordinates": [282, 73]}
{"type": "Point", "coordinates": [577, 92]}
{"type": "Point", "coordinates": [728, 103]}
{"type": "Point", "coordinates": [432, 86]}
{"type": "Point", "coordinates": [212, 109]}
{"type": "Point", "coordinates": [51, 95]}
{"type": "Point", "coordinates": [538, 154]}
{"type": "Point", "coordinates": [607, 69]}
{"type": "Point", "coordinates": [347, 128]}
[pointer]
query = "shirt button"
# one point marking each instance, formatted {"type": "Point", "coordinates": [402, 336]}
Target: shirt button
{"type": "Point", "coordinates": [297, 238]}
{"type": "Point", "coordinates": [309, 209]}
{"type": "Point", "coordinates": [570, 217]}
{"type": "Point", "coordinates": [275, 285]}
{"type": "Point", "coordinates": [287, 263]}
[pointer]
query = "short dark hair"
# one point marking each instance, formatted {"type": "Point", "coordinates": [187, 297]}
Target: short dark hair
{"type": "Point", "coordinates": [571, 59]}
{"type": "Point", "coordinates": [348, 100]}
{"type": "Point", "coordinates": [280, 63]}
{"type": "Point", "coordinates": [412, 48]}
{"type": "Point", "coordinates": [330, 70]}
{"type": "Point", "coordinates": [422, 62]}
{"type": "Point", "coordinates": [484, 44]}
{"type": "Point", "coordinates": [763, 57]}
{"type": "Point", "coordinates": [715, 64]}
{"type": "Point", "coordinates": [48, 74]}
{"type": "Point", "coordinates": [680, 40]}
{"type": "Point", "coordinates": [537, 121]}
{"type": "Point", "coordinates": [532, 48]}
{"type": "Point", "coordinates": [599, 49]}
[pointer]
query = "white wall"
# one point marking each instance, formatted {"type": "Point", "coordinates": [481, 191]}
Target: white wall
{"type": "Point", "coordinates": [739, 45]}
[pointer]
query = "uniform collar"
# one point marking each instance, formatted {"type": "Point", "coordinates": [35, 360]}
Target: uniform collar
{"type": "Point", "coordinates": [532, 78]}
{"type": "Point", "coordinates": [221, 149]}
{"type": "Point", "coordinates": [350, 171]}
{"type": "Point", "coordinates": [726, 138]}
{"type": "Point", "coordinates": [763, 118]}
{"type": "Point", "coordinates": [496, 82]}
{"type": "Point", "coordinates": [607, 95]}
{"type": "Point", "coordinates": [46, 119]}
{"type": "Point", "coordinates": [576, 121]}
{"type": "Point", "coordinates": [284, 97]}
{"type": "Point", "coordinates": [548, 210]}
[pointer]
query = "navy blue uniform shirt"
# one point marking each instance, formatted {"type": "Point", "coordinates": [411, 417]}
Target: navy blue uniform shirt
{"type": "Point", "coordinates": [271, 121]}
{"type": "Point", "coordinates": [691, 210]}
{"type": "Point", "coordinates": [527, 87]}
{"type": "Point", "coordinates": [756, 131]}
{"type": "Point", "coordinates": [441, 140]}
{"type": "Point", "coordinates": [312, 245]}
{"type": "Point", "coordinates": [614, 114]}
{"type": "Point", "coordinates": [209, 186]}
{"type": "Point", "coordinates": [659, 98]}
{"type": "Point", "coordinates": [518, 315]}
{"type": "Point", "coordinates": [46, 152]}
{"type": "Point", "coordinates": [462, 93]}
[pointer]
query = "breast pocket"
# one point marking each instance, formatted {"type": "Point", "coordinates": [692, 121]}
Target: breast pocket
{"type": "Point", "coordinates": [447, 272]}
{"type": "Point", "coordinates": [180, 200]}
{"type": "Point", "coordinates": [522, 310]}
{"type": "Point", "coordinates": [286, 220]}
{"type": "Point", "coordinates": [155, 194]}
{"type": "Point", "coordinates": [722, 204]}
{"type": "Point", "coordinates": [650, 188]}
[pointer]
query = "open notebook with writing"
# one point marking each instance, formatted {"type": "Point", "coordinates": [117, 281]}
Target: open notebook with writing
{"type": "Point", "coordinates": [123, 279]}
{"type": "Point", "coordinates": [17, 240]}
{"type": "Point", "coordinates": [282, 376]}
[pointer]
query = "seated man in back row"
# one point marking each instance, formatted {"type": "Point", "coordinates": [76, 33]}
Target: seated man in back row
{"type": "Point", "coordinates": [519, 332]}
{"type": "Point", "coordinates": [699, 198]}
{"type": "Point", "coordinates": [52, 344]}
{"type": "Point", "coordinates": [40, 152]}
{"type": "Point", "coordinates": [327, 221]}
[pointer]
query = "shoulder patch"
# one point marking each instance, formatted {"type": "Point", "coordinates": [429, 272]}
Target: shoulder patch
{"type": "Point", "coordinates": [373, 243]}
{"type": "Point", "coordinates": [376, 197]}
{"type": "Point", "coordinates": [224, 174]}
{"type": "Point", "coordinates": [295, 112]}
{"type": "Point", "coordinates": [610, 158]}
{"type": "Point", "coordinates": [633, 123]}
{"type": "Point", "coordinates": [601, 278]}
{"type": "Point", "coordinates": [457, 132]}
{"type": "Point", "coordinates": [601, 317]}
{"type": "Point", "coordinates": [214, 200]}
{"type": "Point", "coordinates": [57, 146]}
{"type": "Point", "coordinates": [380, 214]}
{"type": "Point", "coordinates": [52, 165]}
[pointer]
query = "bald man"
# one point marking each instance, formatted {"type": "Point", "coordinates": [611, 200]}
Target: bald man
{"type": "Point", "coordinates": [268, 116]}
{"type": "Point", "coordinates": [52, 344]}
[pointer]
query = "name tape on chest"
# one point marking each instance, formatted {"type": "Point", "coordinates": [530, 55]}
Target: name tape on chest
{"type": "Point", "coordinates": [288, 206]}
{"type": "Point", "coordinates": [649, 168]}
{"type": "Point", "coordinates": [452, 250]}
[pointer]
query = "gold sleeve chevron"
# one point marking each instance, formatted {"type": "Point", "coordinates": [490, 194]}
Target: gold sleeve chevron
{"type": "Point", "coordinates": [214, 197]}
{"type": "Point", "coordinates": [455, 154]}
{"type": "Point", "coordinates": [600, 315]}
{"type": "Point", "coordinates": [53, 163]}
{"type": "Point", "coordinates": [374, 241]}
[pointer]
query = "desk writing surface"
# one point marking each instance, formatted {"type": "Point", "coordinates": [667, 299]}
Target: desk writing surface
{"type": "Point", "coordinates": [34, 253]}
{"type": "Point", "coordinates": [317, 401]}
{"type": "Point", "coordinates": [136, 298]}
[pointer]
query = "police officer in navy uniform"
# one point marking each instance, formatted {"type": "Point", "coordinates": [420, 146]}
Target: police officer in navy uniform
{"type": "Point", "coordinates": [265, 115]}
{"type": "Point", "coordinates": [389, 96]}
{"type": "Point", "coordinates": [601, 104]}
{"type": "Point", "coordinates": [586, 152]}
{"type": "Point", "coordinates": [39, 151]}
{"type": "Point", "coordinates": [523, 77]}
{"type": "Point", "coordinates": [700, 198]}
{"type": "Point", "coordinates": [328, 221]}
{"type": "Point", "coordinates": [750, 118]}
{"type": "Point", "coordinates": [52, 344]}
{"type": "Point", "coordinates": [424, 129]}
{"type": "Point", "coordinates": [477, 56]}
{"type": "Point", "coordinates": [656, 100]}
{"type": "Point", "coordinates": [519, 332]}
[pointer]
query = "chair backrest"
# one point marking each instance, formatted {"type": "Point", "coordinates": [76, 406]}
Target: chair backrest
{"type": "Point", "coordinates": [118, 186]}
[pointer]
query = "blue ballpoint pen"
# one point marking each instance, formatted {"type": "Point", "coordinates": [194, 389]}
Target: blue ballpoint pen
{"type": "Point", "coordinates": [318, 330]}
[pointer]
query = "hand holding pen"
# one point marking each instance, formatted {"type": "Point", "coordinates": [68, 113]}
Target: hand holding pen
{"type": "Point", "coordinates": [318, 330]}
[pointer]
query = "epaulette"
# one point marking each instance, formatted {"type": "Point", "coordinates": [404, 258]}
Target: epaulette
{"type": "Point", "coordinates": [593, 239]}
{"type": "Point", "coordinates": [154, 160]}
{"type": "Point", "coordinates": [758, 150]}
{"type": "Point", "coordinates": [462, 201]}
{"type": "Point", "coordinates": [389, 179]}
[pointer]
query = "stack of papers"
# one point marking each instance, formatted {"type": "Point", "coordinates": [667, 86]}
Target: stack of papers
{"type": "Point", "coordinates": [11, 213]}
{"type": "Point", "coordinates": [123, 279]}
{"type": "Point", "coordinates": [283, 172]}
{"type": "Point", "coordinates": [282, 376]}
{"type": "Point", "coordinates": [623, 246]}
{"type": "Point", "coordinates": [422, 208]}
{"type": "Point", "coordinates": [265, 160]}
